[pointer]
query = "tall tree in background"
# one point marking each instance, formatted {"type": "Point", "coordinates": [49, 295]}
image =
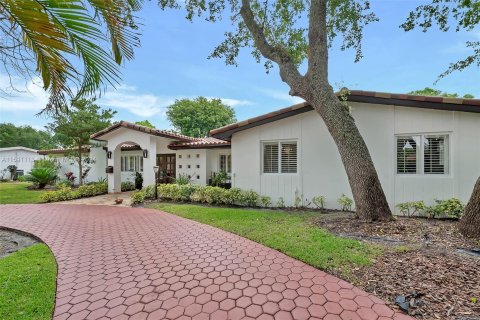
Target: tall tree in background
{"type": "Point", "coordinates": [47, 37]}
{"type": "Point", "coordinates": [287, 33]}
{"type": "Point", "coordinates": [145, 123]}
{"type": "Point", "coordinates": [25, 136]}
{"type": "Point", "coordinates": [73, 128]}
{"type": "Point", "coordinates": [198, 116]}
{"type": "Point", "coordinates": [438, 93]}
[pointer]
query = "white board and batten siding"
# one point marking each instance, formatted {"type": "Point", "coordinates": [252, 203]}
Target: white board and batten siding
{"type": "Point", "coordinates": [320, 170]}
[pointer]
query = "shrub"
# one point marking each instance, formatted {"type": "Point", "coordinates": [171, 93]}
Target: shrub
{"type": "Point", "coordinates": [41, 176]}
{"type": "Point", "coordinates": [214, 195]}
{"type": "Point", "coordinates": [280, 203]}
{"type": "Point", "coordinates": [452, 208]}
{"type": "Point", "coordinates": [138, 181]}
{"type": "Point", "coordinates": [249, 198]}
{"type": "Point", "coordinates": [219, 178]}
{"type": "Point", "coordinates": [127, 186]}
{"type": "Point", "coordinates": [70, 177]}
{"type": "Point", "coordinates": [412, 208]}
{"type": "Point", "coordinates": [182, 179]}
{"type": "Point", "coordinates": [47, 163]}
{"type": "Point", "coordinates": [319, 201]}
{"type": "Point", "coordinates": [175, 192]}
{"type": "Point", "coordinates": [67, 193]}
{"type": "Point", "coordinates": [22, 179]}
{"type": "Point", "coordinates": [232, 196]}
{"type": "Point", "coordinates": [64, 183]}
{"type": "Point", "coordinates": [345, 202]}
{"type": "Point", "coordinates": [137, 196]}
{"type": "Point", "coordinates": [265, 201]}
{"type": "Point", "coordinates": [297, 201]}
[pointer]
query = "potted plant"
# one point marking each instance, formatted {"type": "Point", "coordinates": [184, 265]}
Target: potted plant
{"type": "Point", "coordinates": [118, 200]}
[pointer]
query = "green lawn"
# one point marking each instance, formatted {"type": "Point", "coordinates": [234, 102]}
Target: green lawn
{"type": "Point", "coordinates": [17, 192]}
{"type": "Point", "coordinates": [289, 232]}
{"type": "Point", "coordinates": [27, 284]}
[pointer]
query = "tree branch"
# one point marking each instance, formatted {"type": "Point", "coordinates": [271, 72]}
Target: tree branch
{"type": "Point", "coordinates": [288, 70]}
{"type": "Point", "coordinates": [318, 42]}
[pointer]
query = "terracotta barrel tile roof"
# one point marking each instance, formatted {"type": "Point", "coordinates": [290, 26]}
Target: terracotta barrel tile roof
{"type": "Point", "coordinates": [152, 131]}
{"type": "Point", "coordinates": [208, 142]}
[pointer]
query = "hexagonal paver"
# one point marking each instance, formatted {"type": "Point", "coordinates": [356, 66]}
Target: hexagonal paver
{"type": "Point", "coordinates": [135, 263]}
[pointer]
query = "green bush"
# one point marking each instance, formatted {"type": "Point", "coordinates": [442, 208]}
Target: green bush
{"type": "Point", "coordinates": [219, 178]}
{"type": "Point", "coordinates": [21, 179]}
{"type": "Point", "coordinates": [64, 183]}
{"type": "Point", "coordinates": [137, 196]}
{"type": "Point", "coordinates": [319, 202]}
{"type": "Point", "coordinates": [345, 202]}
{"type": "Point", "coordinates": [67, 193]}
{"type": "Point", "coordinates": [449, 208]}
{"type": "Point", "coordinates": [249, 198]}
{"type": "Point", "coordinates": [42, 176]}
{"type": "Point", "coordinates": [280, 203]}
{"type": "Point", "coordinates": [265, 201]}
{"type": "Point", "coordinates": [413, 208]}
{"type": "Point", "coordinates": [232, 196]}
{"type": "Point", "coordinates": [47, 163]}
{"type": "Point", "coordinates": [182, 179]}
{"type": "Point", "coordinates": [127, 186]}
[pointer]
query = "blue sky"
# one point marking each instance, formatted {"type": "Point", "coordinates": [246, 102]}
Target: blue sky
{"type": "Point", "coordinates": [172, 63]}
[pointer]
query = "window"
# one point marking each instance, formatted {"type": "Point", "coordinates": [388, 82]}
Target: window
{"type": "Point", "coordinates": [226, 163]}
{"type": "Point", "coordinates": [417, 154]}
{"type": "Point", "coordinates": [280, 157]}
{"type": "Point", "coordinates": [131, 163]}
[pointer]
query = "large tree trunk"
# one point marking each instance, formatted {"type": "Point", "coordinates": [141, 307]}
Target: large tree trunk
{"type": "Point", "coordinates": [470, 223]}
{"type": "Point", "coordinates": [370, 201]}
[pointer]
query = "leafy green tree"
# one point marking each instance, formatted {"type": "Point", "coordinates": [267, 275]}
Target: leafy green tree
{"type": "Point", "coordinates": [198, 116]}
{"type": "Point", "coordinates": [438, 93]}
{"type": "Point", "coordinates": [291, 33]}
{"type": "Point", "coordinates": [25, 136]}
{"type": "Point", "coordinates": [73, 128]}
{"type": "Point", "coordinates": [145, 123]}
{"type": "Point", "coordinates": [48, 37]}
{"type": "Point", "coordinates": [460, 15]}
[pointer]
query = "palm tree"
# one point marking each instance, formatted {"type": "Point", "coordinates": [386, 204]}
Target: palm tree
{"type": "Point", "coordinates": [51, 37]}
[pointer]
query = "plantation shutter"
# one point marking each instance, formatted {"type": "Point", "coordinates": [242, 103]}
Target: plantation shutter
{"type": "Point", "coordinates": [270, 158]}
{"type": "Point", "coordinates": [435, 155]}
{"type": "Point", "coordinates": [407, 154]}
{"type": "Point", "coordinates": [289, 157]}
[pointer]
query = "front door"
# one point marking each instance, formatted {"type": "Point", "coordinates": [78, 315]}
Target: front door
{"type": "Point", "coordinates": [166, 172]}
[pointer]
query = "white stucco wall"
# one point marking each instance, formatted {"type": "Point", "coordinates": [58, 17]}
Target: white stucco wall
{"type": "Point", "coordinates": [320, 170]}
{"type": "Point", "coordinates": [23, 158]}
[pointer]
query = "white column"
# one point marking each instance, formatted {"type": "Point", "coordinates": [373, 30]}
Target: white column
{"type": "Point", "coordinates": [115, 178]}
{"type": "Point", "coordinates": [149, 163]}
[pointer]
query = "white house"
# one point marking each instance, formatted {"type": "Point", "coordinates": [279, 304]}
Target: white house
{"type": "Point", "coordinates": [424, 148]}
{"type": "Point", "coordinates": [21, 157]}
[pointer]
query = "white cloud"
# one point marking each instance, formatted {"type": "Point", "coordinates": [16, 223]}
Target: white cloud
{"type": "Point", "coordinates": [281, 95]}
{"type": "Point", "coordinates": [31, 96]}
{"type": "Point", "coordinates": [146, 104]}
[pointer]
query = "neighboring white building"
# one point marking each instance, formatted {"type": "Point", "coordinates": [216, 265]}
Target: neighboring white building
{"type": "Point", "coordinates": [21, 157]}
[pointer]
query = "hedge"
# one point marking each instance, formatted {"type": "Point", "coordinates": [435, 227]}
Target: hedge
{"type": "Point", "coordinates": [67, 193]}
{"type": "Point", "coordinates": [202, 194]}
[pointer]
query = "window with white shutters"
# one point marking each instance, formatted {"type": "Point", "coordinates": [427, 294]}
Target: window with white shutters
{"type": "Point", "coordinates": [407, 154]}
{"type": "Point", "coordinates": [280, 157]}
{"type": "Point", "coordinates": [270, 157]}
{"type": "Point", "coordinates": [422, 154]}
{"type": "Point", "coordinates": [289, 157]}
{"type": "Point", "coordinates": [435, 154]}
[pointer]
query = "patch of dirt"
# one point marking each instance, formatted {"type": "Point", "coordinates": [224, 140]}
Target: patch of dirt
{"type": "Point", "coordinates": [420, 257]}
{"type": "Point", "coordinates": [11, 241]}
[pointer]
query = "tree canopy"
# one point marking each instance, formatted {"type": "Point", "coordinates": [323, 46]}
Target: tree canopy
{"type": "Point", "coordinates": [50, 37]}
{"type": "Point", "coordinates": [145, 123]}
{"type": "Point", "coordinates": [198, 116]}
{"type": "Point", "coordinates": [73, 128]}
{"type": "Point", "coordinates": [25, 136]}
{"type": "Point", "coordinates": [427, 91]}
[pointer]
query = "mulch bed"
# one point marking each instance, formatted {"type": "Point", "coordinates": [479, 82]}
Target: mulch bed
{"type": "Point", "coordinates": [11, 241]}
{"type": "Point", "coordinates": [420, 258]}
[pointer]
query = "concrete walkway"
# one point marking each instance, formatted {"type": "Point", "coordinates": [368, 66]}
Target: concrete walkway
{"type": "Point", "coordinates": [135, 263]}
{"type": "Point", "coordinates": [104, 200]}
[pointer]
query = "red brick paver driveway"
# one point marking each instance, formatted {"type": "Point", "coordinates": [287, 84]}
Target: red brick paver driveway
{"type": "Point", "coordinates": [120, 263]}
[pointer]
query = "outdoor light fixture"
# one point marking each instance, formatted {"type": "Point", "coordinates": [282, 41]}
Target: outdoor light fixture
{"type": "Point", "coordinates": [145, 153]}
{"type": "Point", "coordinates": [109, 154]}
{"type": "Point", "coordinates": [155, 169]}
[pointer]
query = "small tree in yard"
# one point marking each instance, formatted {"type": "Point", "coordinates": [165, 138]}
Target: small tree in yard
{"type": "Point", "coordinates": [198, 116]}
{"type": "Point", "coordinates": [145, 123]}
{"type": "Point", "coordinates": [73, 129]}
